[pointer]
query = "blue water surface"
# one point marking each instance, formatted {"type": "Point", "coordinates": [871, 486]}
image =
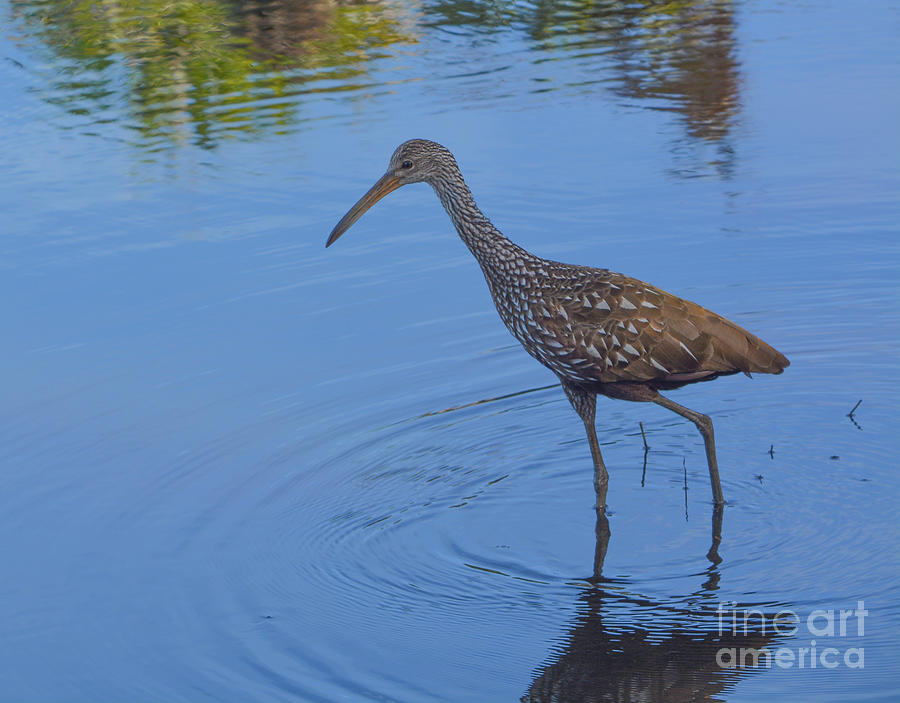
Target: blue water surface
{"type": "Point", "coordinates": [235, 466]}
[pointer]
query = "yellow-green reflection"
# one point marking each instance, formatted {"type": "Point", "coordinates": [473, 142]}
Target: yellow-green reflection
{"type": "Point", "coordinates": [197, 70]}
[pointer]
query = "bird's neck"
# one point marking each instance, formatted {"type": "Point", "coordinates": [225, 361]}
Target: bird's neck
{"type": "Point", "coordinates": [492, 250]}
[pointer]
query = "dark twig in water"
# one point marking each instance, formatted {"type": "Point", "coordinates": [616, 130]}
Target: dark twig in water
{"type": "Point", "coordinates": [486, 400]}
{"type": "Point", "coordinates": [772, 450]}
{"type": "Point", "coordinates": [684, 467]}
{"type": "Point", "coordinates": [851, 415]}
{"type": "Point", "coordinates": [646, 449]}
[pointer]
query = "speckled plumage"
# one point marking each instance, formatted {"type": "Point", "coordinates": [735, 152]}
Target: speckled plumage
{"type": "Point", "coordinates": [598, 331]}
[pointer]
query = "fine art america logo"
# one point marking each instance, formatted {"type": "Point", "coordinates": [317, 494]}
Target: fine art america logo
{"type": "Point", "coordinates": [820, 632]}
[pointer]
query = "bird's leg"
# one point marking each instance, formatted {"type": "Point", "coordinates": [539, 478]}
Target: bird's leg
{"type": "Point", "coordinates": [601, 532]}
{"type": "Point", "coordinates": [705, 425]}
{"type": "Point", "coordinates": [601, 475]}
{"type": "Point", "coordinates": [717, 516]}
{"type": "Point", "coordinates": [585, 404]}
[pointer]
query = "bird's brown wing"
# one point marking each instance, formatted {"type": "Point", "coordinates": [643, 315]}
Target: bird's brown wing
{"type": "Point", "coordinates": [625, 330]}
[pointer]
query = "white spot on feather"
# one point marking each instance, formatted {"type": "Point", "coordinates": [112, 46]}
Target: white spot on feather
{"type": "Point", "coordinates": [626, 304]}
{"type": "Point", "coordinates": [688, 351]}
{"type": "Point", "coordinates": [649, 305]}
{"type": "Point", "coordinates": [592, 350]}
{"type": "Point", "coordinates": [631, 350]}
{"type": "Point", "coordinates": [659, 366]}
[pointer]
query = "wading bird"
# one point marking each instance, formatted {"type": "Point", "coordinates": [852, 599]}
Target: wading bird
{"type": "Point", "coordinates": [598, 331]}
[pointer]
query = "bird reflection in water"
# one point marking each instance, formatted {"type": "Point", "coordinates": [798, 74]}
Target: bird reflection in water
{"type": "Point", "coordinates": [664, 651]}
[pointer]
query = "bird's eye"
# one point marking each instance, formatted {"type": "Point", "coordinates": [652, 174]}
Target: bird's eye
{"type": "Point", "coordinates": [406, 164]}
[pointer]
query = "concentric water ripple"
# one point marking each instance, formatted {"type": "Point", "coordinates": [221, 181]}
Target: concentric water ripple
{"type": "Point", "coordinates": [452, 520]}
{"type": "Point", "coordinates": [234, 466]}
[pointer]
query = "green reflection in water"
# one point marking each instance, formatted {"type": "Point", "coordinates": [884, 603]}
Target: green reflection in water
{"type": "Point", "coordinates": [199, 70]}
{"type": "Point", "coordinates": [678, 56]}
{"type": "Point", "coordinates": [195, 71]}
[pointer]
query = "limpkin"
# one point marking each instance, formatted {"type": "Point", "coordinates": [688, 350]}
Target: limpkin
{"type": "Point", "coordinates": [598, 331]}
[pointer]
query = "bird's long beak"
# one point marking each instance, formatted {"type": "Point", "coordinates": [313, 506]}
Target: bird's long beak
{"type": "Point", "coordinates": [385, 185]}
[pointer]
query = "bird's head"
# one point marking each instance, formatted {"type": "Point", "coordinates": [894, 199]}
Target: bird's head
{"type": "Point", "coordinates": [415, 161]}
